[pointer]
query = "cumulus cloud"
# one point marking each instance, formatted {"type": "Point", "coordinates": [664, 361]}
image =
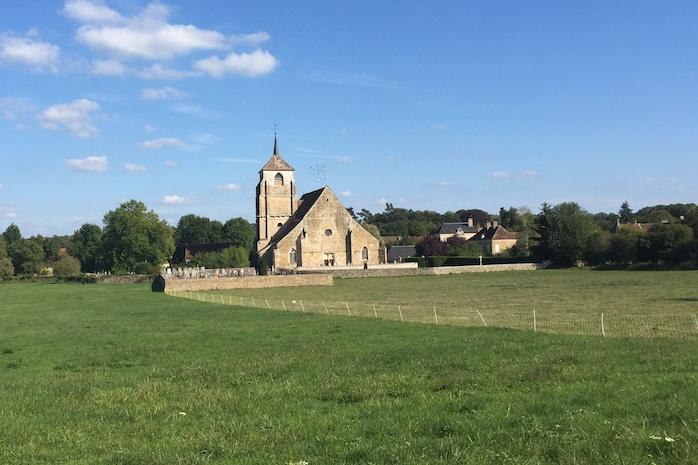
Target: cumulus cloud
{"type": "Point", "coordinates": [91, 12]}
{"type": "Point", "coordinates": [108, 68]}
{"type": "Point", "coordinates": [157, 71]}
{"type": "Point", "coordinates": [8, 212]}
{"type": "Point", "coordinates": [164, 142]}
{"type": "Point", "coordinates": [93, 163]}
{"type": "Point", "coordinates": [522, 175]}
{"type": "Point", "coordinates": [27, 51]}
{"type": "Point", "coordinates": [250, 64]}
{"type": "Point", "coordinates": [163, 93]}
{"type": "Point", "coordinates": [346, 194]}
{"type": "Point", "coordinates": [74, 117]}
{"type": "Point", "coordinates": [229, 187]}
{"type": "Point", "coordinates": [174, 199]}
{"type": "Point", "coordinates": [133, 168]}
{"type": "Point", "coordinates": [12, 108]}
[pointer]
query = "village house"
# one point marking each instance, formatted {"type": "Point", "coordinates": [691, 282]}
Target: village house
{"type": "Point", "coordinates": [462, 230]}
{"type": "Point", "coordinates": [494, 239]}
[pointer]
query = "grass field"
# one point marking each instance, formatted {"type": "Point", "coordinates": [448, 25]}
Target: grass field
{"type": "Point", "coordinates": [100, 374]}
{"type": "Point", "coordinates": [565, 301]}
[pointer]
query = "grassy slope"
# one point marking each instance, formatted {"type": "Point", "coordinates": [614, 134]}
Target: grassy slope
{"type": "Point", "coordinates": [100, 374]}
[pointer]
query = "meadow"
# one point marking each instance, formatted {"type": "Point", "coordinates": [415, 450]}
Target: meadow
{"type": "Point", "coordinates": [116, 374]}
{"type": "Point", "coordinates": [640, 304]}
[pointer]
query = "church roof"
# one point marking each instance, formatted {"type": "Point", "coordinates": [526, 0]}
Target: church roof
{"type": "Point", "coordinates": [304, 205]}
{"type": "Point", "coordinates": [276, 163]}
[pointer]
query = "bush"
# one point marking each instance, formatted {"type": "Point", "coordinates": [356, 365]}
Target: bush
{"type": "Point", "coordinates": [66, 266]}
{"type": "Point", "coordinates": [6, 268]}
{"type": "Point", "coordinates": [231, 257]}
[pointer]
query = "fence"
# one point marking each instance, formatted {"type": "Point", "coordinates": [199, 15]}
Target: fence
{"type": "Point", "coordinates": [603, 324]}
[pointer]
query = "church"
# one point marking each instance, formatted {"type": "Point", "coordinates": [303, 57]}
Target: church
{"type": "Point", "coordinates": [313, 231]}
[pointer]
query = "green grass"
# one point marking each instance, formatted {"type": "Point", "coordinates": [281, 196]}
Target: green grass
{"type": "Point", "coordinates": [100, 374]}
{"type": "Point", "coordinates": [566, 301]}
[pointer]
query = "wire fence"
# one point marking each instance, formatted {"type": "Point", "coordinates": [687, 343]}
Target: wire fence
{"type": "Point", "coordinates": [599, 324]}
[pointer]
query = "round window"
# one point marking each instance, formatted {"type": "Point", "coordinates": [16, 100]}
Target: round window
{"type": "Point", "coordinates": [328, 232]}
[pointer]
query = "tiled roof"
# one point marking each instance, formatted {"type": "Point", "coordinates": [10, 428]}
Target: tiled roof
{"type": "Point", "coordinates": [276, 163]}
{"type": "Point", "coordinates": [494, 233]}
{"type": "Point", "coordinates": [452, 228]}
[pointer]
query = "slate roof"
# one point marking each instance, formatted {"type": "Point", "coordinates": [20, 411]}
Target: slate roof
{"type": "Point", "coordinates": [494, 233]}
{"type": "Point", "coordinates": [401, 251]}
{"type": "Point", "coordinates": [452, 228]}
{"type": "Point", "coordinates": [305, 203]}
{"type": "Point", "coordinates": [643, 227]}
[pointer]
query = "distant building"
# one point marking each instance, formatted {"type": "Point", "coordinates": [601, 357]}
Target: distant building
{"type": "Point", "coordinates": [315, 230]}
{"type": "Point", "coordinates": [463, 230]}
{"type": "Point", "coordinates": [400, 253]}
{"type": "Point", "coordinates": [494, 239]}
{"type": "Point", "coordinates": [635, 226]}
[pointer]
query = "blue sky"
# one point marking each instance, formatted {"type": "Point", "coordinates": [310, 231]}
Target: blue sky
{"type": "Point", "coordinates": [429, 105]}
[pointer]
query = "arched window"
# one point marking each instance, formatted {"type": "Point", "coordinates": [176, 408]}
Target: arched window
{"type": "Point", "coordinates": [278, 180]}
{"type": "Point", "coordinates": [292, 256]}
{"type": "Point", "coordinates": [364, 253]}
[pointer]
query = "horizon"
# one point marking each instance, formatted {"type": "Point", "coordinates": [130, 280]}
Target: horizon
{"type": "Point", "coordinates": [442, 109]}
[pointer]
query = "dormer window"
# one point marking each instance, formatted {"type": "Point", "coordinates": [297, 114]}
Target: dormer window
{"type": "Point", "coordinates": [278, 180]}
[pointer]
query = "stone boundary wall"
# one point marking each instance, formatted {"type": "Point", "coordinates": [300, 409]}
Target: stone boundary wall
{"type": "Point", "coordinates": [439, 270]}
{"type": "Point", "coordinates": [249, 282]}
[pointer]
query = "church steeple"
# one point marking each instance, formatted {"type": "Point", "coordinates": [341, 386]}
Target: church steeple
{"type": "Point", "coordinates": [276, 151]}
{"type": "Point", "coordinates": [276, 163]}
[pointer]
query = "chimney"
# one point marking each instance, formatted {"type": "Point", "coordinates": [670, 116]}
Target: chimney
{"type": "Point", "coordinates": [488, 224]}
{"type": "Point", "coordinates": [471, 222]}
{"type": "Point", "coordinates": [495, 224]}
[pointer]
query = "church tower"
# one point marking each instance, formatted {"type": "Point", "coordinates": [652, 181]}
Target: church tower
{"type": "Point", "coordinates": [276, 197]}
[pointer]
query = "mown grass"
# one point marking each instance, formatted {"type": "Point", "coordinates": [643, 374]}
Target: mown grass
{"type": "Point", "coordinates": [566, 301]}
{"type": "Point", "coordinates": [119, 375]}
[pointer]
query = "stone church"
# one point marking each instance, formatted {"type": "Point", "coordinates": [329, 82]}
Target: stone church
{"type": "Point", "coordinates": [313, 231]}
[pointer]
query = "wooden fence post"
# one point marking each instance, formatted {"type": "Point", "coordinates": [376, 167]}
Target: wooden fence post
{"type": "Point", "coordinates": [436, 317]}
{"type": "Point", "coordinates": [399, 309]}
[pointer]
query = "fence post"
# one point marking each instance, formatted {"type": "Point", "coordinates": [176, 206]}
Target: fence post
{"type": "Point", "coordinates": [267, 302]}
{"type": "Point", "coordinates": [302, 307]}
{"type": "Point", "coordinates": [325, 307]}
{"type": "Point", "coordinates": [603, 328]}
{"type": "Point", "coordinates": [399, 309]}
{"type": "Point", "coordinates": [348, 311]}
{"type": "Point", "coordinates": [695, 321]}
{"type": "Point", "coordinates": [374, 310]}
{"type": "Point", "coordinates": [253, 304]}
{"type": "Point", "coordinates": [483, 320]}
{"type": "Point", "coordinates": [534, 321]}
{"type": "Point", "coordinates": [222, 301]}
{"type": "Point", "coordinates": [436, 317]}
{"type": "Point", "coordinates": [283, 303]}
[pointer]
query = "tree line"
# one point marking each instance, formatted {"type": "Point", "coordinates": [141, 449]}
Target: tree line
{"type": "Point", "coordinates": [132, 239]}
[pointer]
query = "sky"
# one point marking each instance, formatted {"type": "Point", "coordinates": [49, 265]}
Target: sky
{"type": "Point", "coordinates": [439, 105]}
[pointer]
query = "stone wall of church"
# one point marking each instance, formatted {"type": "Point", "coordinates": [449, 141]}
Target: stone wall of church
{"type": "Point", "coordinates": [323, 238]}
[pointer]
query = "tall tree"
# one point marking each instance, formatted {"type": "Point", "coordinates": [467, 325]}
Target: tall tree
{"type": "Point", "coordinates": [87, 247]}
{"type": "Point", "coordinates": [27, 255]}
{"type": "Point", "coordinates": [193, 229]}
{"type": "Point", "coordinates": [564, 232]}
{"type": "Point", "coordinates": [6, 267]}
{"type": "Point", "coordinates": [135, 239]}
{"type": "Point", "coordinates": [239, 232]}
{"type": "Point", "coordinates": [625, 212]}
{"type": "Point", "coordinates": [12, 234]}
{"type": "Point", "coordinates": [665, 240]}
{"type": "Point", "coordinates": [480, 217]}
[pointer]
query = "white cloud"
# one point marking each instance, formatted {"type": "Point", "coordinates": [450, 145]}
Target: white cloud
{"type": "Point", "coordinates": [174, 199]}
{"type": "Point", "coordinates": [87, 11]}
{"type": "Point", "coordinates": [26, 51]}
{"type": "Point", "coordinates": [527, 174]}
{"type": "Point", "coordinates": [203, 138]}
{"type": "Point", "coordinates": [170, 163]}
{"type": "Point", "coordinates": [250, 64]}
{"type": "Point", "coordinates": [149, 128]}
{"type": "Point", "coordinates": [148, 35]}
{"type": "Point", "coordinates": [346, 194]}
{"type": "Point", "coordinates": [158, 71]}
{"type": "Point", "coordinates": [108, 68]}
{"type": "Point", "coordinates": [163, 93]}
{"type": "Point", "coordinates": [229, 187]}
{"type": "Point", "coordinates": [12, 108]}
{"type": "Point", "coordinates": [163, 142]}
{"type": "Point", "coordinates": [8, 212]}
{"type": "Point", "coordinates": [343, 159]}
{"type": "Point", "coordinates": [97, 164]}
{"type": "Point", "coordinates": [73, 116]}
{"type": "Point", "coordinates": [254, 38]}
{"type": "Point", "coordinates": [133, 168]}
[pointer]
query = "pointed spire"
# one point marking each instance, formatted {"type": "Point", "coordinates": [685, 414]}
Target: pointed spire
{"type": "Point", "coordinates": [276, 149]}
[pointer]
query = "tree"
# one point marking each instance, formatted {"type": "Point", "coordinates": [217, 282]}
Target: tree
{"type": "Point", "coordinates": [373, 229]}
{"type": "Point", "coordinates": [625, 212]}
{"type": "Point", "coordinates": [658, 215]}
{"type": "Point", "coordinates": [87, 247]}
{"type": "Point", "coordinates": [27, 255]}
{"type": "Point", "coordinates": [480, 217]}
{"type": "Point", "coordinates": [239, 233]}
{"type": "Point", "coordinates": [135, 239]}
{"type": "Point", "coordinates": [6, 267]}
{"type": "Point", "coordinates": [508, 217]}
{"type": "Point", "coordinates": [55, 247]}
{"type": "Point", "coordinates": [230, 257]}
{"type": "Point", "coordinates": [665, 240]}
{"type": "Point", "coordinates": [12, 234]}
{"type": "Point", "coordinates": [597, 249]}
{"type": "Point", "coordinates": [624, 246]}
{"type": "Point", "coordinates": [564, 232]}
{"type": "Point", "coordinates": [193, 229]}
{"type": "Point", "coordinates": [459, 247]}
{"type": "Point", "coordinates": [66, 266]}
{"type": "Point", "coordinates": [431, 246]}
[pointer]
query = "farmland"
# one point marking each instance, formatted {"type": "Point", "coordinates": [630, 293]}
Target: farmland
{"type": "Point", "coordinates": [120, 375]}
